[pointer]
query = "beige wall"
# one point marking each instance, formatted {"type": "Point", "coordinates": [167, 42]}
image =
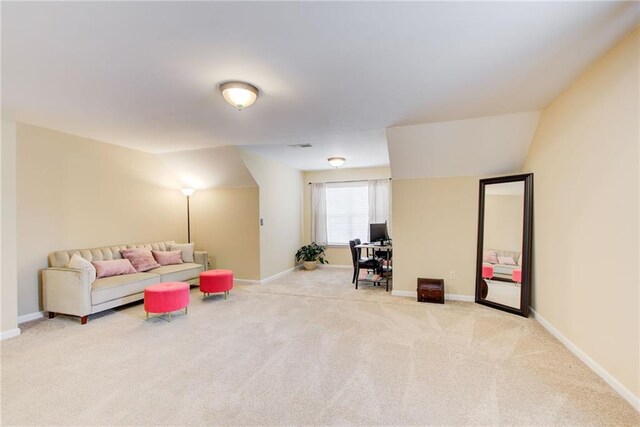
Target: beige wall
{"type": "Point", "coordinates": [503, 222]}
{"type": "Point", "coordinates": [8, 257]}
{"type": "Point", "coordinates": [435, 232]}
{"type": "Point", "coordinates": [75, 192]}
{"type": "Point", "coordinates": [281, 211]}
{"type": "Point", "coordinates": [585, 157]}
{"type": "Point", "coordinates": [224, 222]}
{"type": "Point", "coordinates": [336, 255]}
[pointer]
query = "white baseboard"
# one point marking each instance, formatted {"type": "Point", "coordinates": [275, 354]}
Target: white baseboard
{"type": "Point", "coordinates": [412, 294]}
{"type": "Point", "coordinates": [246, 282]}
{"type": "Point", "coordinates": [336, 266]}
{"type": "Point", "coordinates": [31, 316]}
{"type": "Point", "coordinates": [282, 273]}
{"type": "Point", "coordinates": [603, 373]}
{"type": "Point", "coordinates": [9, 334]}
{"type": "Point", "coordinates": [277, 275]}
{"type": "Point", "coordinates": [458, 297]}
{"type": "Point", "coordinates": [266, 280]}
{"type": "Point", "coordinates": [448, 297]}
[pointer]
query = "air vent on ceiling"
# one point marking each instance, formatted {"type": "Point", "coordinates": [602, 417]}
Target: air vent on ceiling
{"type": "Point", "coordinates": [300, 145]}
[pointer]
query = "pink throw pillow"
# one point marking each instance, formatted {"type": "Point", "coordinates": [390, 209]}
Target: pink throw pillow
{"type": "Point", "coordinates": [490, 256]}
{"type": "Point", "coordinates": [168, 257]}
{"type": "Point", "coordinates": [506, 260]}
{"type": "Point", "coordinates": [141, 259]}
{"type": "Point", "coordinates": [114, 267]}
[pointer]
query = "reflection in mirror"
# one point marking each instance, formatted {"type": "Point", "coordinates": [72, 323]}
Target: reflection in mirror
{"type": "Point", "coordinates": [504, 243]}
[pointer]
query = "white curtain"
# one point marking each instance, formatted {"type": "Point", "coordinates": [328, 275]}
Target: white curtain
{"type": "Point", "coordinates": [380, 202]}
{"type": "Point", "coordinates": [319, 213]}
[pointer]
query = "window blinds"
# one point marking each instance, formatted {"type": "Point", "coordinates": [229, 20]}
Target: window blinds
{"type": "Point", "coordinates": [347, 212]}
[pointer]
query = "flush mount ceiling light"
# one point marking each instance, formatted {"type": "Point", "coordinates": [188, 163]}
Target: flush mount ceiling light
{"type": "Point", "coordinates": [336, 162]}
{"type": "Point", "coordinates": [239, 94]}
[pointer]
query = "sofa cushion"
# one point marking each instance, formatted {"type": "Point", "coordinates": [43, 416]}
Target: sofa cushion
{"type": "Point", "coordinates": [186, 248]}
{"type": "Point", "coordinates": [114, 267]}
{"type": "Point", "coordinates": [503, 269]}
{"type": "Point", "coordinates": [77, 261]}
{"type": "Point", "coordinates": [506, 260]}
{"type": "Point", "coordinates": [60, 258]}
{"type": "Point", "coordinates": [168, 257]}
{"type": "Point", "coordinates": [114, 287]}
{"type": "Point", "coordinates": [490, 256]}
{"type": "Point", "coordinates": [178, 272]}
{"type": "Point", "coordinates": [141, 259]}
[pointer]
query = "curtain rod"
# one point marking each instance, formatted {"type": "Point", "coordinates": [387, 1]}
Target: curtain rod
{"type": "Point", "coordinates": [351, 180]}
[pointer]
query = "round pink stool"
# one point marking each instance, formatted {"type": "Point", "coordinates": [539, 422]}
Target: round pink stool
{"type": "Point", "coordinates": [215, 281]}
{"type": "Point", "coordinates": [166, 298]}
{"type": "Point", "coordinates": [516, 275]}
{"type": "Point", "coordinates": [487, 271]}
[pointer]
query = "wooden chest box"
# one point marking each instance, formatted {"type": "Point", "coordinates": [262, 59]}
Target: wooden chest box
{"type": "Point", "coordinates": [431, 290]}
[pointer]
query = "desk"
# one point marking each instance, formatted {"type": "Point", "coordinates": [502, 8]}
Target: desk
{"type": "Point", "coordinates": [387, 248]}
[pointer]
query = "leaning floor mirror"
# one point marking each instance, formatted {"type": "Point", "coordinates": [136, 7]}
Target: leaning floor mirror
{"type": "Point", "coordinates": [503, 267]}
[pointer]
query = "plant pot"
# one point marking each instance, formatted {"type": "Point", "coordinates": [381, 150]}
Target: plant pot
{"type": "Point", "coordinates": [310, 265]}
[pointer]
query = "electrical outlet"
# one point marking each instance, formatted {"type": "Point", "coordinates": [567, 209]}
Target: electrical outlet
{"type": "Point", "coordinates": [452, 275]}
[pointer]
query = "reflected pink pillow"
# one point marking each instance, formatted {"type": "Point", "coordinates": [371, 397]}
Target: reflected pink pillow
{"type": "Point", "coordinates": [490, 257]}
{"type": "Point", "coordinates": [506, 260]}
{"type": "Point", "coordinates": [140, 258]}
{"type": "Point", "coordinates": [114, 267]}
{"type": "Point", "coordinates": [168, 257]}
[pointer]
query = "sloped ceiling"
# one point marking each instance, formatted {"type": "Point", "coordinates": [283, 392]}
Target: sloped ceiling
{"type": "Point", "coordinates": [220, 167]}
{"type": "Point", "coordinates": [143, 74]}
{"type": "Point", "coordinates": [474, 147]}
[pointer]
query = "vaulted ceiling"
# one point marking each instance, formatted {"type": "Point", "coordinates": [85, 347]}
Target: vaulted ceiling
{"type": "Point", "coordinates": [335, 74]}
{"type": "Point", "coordinates": [473, 147]}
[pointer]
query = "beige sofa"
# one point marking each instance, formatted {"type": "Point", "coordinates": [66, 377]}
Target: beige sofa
{"type": "Point", "coordinates": [68, 291]}
{"type": "Point", "coordinates": [504, 271]}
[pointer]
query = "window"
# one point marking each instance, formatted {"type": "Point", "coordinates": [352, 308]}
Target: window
{"type": "Point", "coordinates": [342, 211]}
{"type": "Point", "coordinates": [347, 212]}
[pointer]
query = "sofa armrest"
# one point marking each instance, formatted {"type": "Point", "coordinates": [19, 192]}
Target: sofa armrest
{"type": "Point", "coordinates": [66, 290]}
{"type": "Point", "coordinates": [202, 258]}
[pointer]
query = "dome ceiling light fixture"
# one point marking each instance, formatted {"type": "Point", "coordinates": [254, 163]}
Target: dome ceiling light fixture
{"type": "Point", "coordinates": [336, 162]}
{"type": "Point", "coordinates": [239, 94]}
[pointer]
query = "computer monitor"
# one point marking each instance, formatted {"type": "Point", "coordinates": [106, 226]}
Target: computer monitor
{"type": "Point", "coordinates": [378, 232]}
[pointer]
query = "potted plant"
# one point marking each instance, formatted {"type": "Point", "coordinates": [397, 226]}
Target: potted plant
{"type": "Point", "coordinates": [310, 255]}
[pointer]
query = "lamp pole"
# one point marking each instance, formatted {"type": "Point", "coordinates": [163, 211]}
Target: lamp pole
{"type": "Point", "coordinates": [188, 222]}
{"type": "Point", "coordinates": [188, 192]}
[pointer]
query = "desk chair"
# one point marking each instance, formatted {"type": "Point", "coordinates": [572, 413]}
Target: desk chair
{"type": "Point", "coordinates": [358, 262]}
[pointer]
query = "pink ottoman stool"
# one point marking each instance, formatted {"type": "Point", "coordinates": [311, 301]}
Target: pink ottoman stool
{"type": "Point", "coordinates": [487, 271]}
{"type": "Point", "coordinates": [215, 281]}
{"type": "Point", "coordinates": [166, 298]}
{"type": "Point", "coordinates": [516, 275]}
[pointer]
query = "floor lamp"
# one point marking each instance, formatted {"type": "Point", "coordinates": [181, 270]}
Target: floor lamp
{"type": "Point", "coordinates": [188, 192]}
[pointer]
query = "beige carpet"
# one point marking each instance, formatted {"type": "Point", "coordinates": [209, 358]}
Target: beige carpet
{"type": "Point", "coordinates": [307, 349]}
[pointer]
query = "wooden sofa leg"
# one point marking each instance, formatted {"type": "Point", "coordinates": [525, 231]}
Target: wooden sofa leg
{"type": "Point", "coordinates": [51, 315]}
{"type": "Point", "coordinates": [83, 320]}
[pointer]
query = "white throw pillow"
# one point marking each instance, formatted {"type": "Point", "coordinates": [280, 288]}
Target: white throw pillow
{"type": "Point", "coordinates": [80, 263]}
{"type": "Point", "coordinates": [187, 250]}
